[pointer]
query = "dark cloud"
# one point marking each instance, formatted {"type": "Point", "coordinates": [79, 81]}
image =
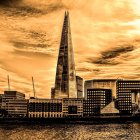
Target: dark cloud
{"type": "Point", "coordinates": [23, 11]}
{"type": "Point", "coordinates": [108, 57]}
{"type": "Point", "coordinates": [55, 7]}
{"type": "Point", "coordinates": [29, 49]}
{"type": "Point", "coordinates": [33, 55]}
{"type": "Point", "coordinates": [83, 69]}
{"type": "Point", "coordinates": [116, 52]}
{"type": "Point", "coordinates": [38, 40]}
{"type": "Point", "coordinates": [21, 45]}
{"type": "Point", "coordinates": [105, 62]}
{"type": "Point", "coordinates": [17, 8]}
{"type": "Point", "coordinates": [88, 70]}
{"type": "Point", "coordinates": [39, 36]}
{"type": "Point", "coordinates": [8, 3]}
{"type": "Point", "coordinates": [32, 52]}
{"type": "Point", "coordinates": [96, 70]}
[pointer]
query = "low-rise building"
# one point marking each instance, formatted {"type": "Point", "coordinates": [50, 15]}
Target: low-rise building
{"type": "Point", "coordinates": [128, 96]}
{"type": "Point", "coordinates": [45, 108]}
{"type": "Point", "coordinates": [73, 107]}
{"type": "Point", "coordinates": [1, 100]}
{"type": "Point", "coordinates": [96, 100]}
{"type": "Point", "coordinates": [14, 103]}
{"type": "Point", "coordinates": [100, 84]}
{"type": "Point", "coordinates": [11, 95]}
{"type": "Point", "coordinates": [17, 108]}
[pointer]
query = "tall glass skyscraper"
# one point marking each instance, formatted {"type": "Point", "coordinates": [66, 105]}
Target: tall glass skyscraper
{"type": "Point", "coordinates": [65, 80]}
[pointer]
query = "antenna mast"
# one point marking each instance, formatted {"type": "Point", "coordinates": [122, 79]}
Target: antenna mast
{"type": "Point", "coordinates": [33, 87]}
{"type": "Point", "coordinates": [8, 82]}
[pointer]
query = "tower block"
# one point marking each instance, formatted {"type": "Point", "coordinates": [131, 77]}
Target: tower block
{"type": "Point", "coordinates": [65, 80]}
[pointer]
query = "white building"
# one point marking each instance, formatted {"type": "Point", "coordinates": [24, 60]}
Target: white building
{"type": "Point", "coordinates": [100, 83]}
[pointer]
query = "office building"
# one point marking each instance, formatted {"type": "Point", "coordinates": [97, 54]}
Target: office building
{"type": "Point", "coordinates": [96, 100]}
{"type": "Point", "coordinates": [17, 108]}
{"type": "Point", "coordinates": [101, 83]}
{"type": "Point", "coordinates": [128, 96]}
{"type": "Point", "coordinates": [11, 95]}
{"type": "Point", "coordinates": [1, 100]}
{"type": "Point", "coordinates": [72, 107]}
{"type": "Point", "coordinates": [45, 108]}
{"type": "Point", "coordinates": [65, 80]}
{"type": "Point", "coordinates": [79, 82]}
{"type": "Point", "coordinates": [14, 103]}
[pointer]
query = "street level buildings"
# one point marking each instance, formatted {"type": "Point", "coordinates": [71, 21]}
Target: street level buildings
{"type": "Point", "coordinates": [1, 100]}
{"type": "Point", "coordinates": [96, 100]}
{"type": "Point", "coordinates": [17, 108]}
{"type": "Point", "coordinates": [73, 107]}
{"type": "Point", "coordinates": [14, 103]}
{"type": "Point", "coordinates": [45, 108]}
{"type": "Point", "coordinates": [128, 96]}
{"type": "Point", "coordinates": [11, 95]}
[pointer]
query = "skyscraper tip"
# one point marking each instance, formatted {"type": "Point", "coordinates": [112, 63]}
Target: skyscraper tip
{"type": "Point", "coordinates": [66, 13]}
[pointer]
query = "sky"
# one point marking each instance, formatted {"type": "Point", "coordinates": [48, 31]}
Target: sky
{"type": "Point", "coordinates": [105, 36]}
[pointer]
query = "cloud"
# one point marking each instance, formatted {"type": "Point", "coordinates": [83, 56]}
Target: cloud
{"type": "Point", "coordinates": [108, 57]}
{"type": "Point", "coordinates": [27, 8]}
{"type": "Point", "coordinates": [9, 3]}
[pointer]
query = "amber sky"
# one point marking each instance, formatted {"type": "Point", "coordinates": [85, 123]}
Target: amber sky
{"type": "Point", "coordinates": [105, 33]}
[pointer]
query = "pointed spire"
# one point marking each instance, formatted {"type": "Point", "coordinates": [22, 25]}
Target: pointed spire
{"type": "Point", "coordinates": [65, 13]}
{"type": "Point", "coordinates": [65, 81]}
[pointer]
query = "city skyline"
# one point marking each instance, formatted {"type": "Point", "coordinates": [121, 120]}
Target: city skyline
{"type": "Point", "coordinates": [103, 42]}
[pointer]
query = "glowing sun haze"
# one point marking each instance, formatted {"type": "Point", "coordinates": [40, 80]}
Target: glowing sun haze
{"type": "Point", "coordinates": [105, 35]}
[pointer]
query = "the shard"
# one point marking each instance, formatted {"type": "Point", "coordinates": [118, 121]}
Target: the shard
{"type": "Point", "coordinates": [65, 80]}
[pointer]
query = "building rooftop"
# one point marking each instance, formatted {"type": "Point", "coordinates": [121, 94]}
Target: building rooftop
{"type": "Point", "coordinates": [98, 89]}
{"type": "Point", "coordinates": [127, 80]}
{"type": "Point", "coordinates": [13, 92]}
{"type": "Point", "coordinates": [110, 108]}
{"type": "Point", "coordinates": [102, 80]}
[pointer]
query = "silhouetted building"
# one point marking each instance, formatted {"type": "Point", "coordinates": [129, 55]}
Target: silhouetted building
{"type": "Point", "coordinates": [32, 97]}
{"type": "Point", "coordinates": [14, 103]}
{"type": "Point", "coordinates": [128, 96]}
{"type": "Point", "coordinates": [79, 82]}
{"type": "Point", "coordinates": [65, 81]}
{"type": "Point", "coordinates": [45, 108]}
{"type": "Point", "coordinates": [100, 83]}
{"type": "Point", "coordinates": [96, 100]}
{"type": "Point", "coordinates": [72, 107]}
{"type": "Point", "coordinates": [52, 93]}
{"type": "Point", "coordinates": [1, 100]}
